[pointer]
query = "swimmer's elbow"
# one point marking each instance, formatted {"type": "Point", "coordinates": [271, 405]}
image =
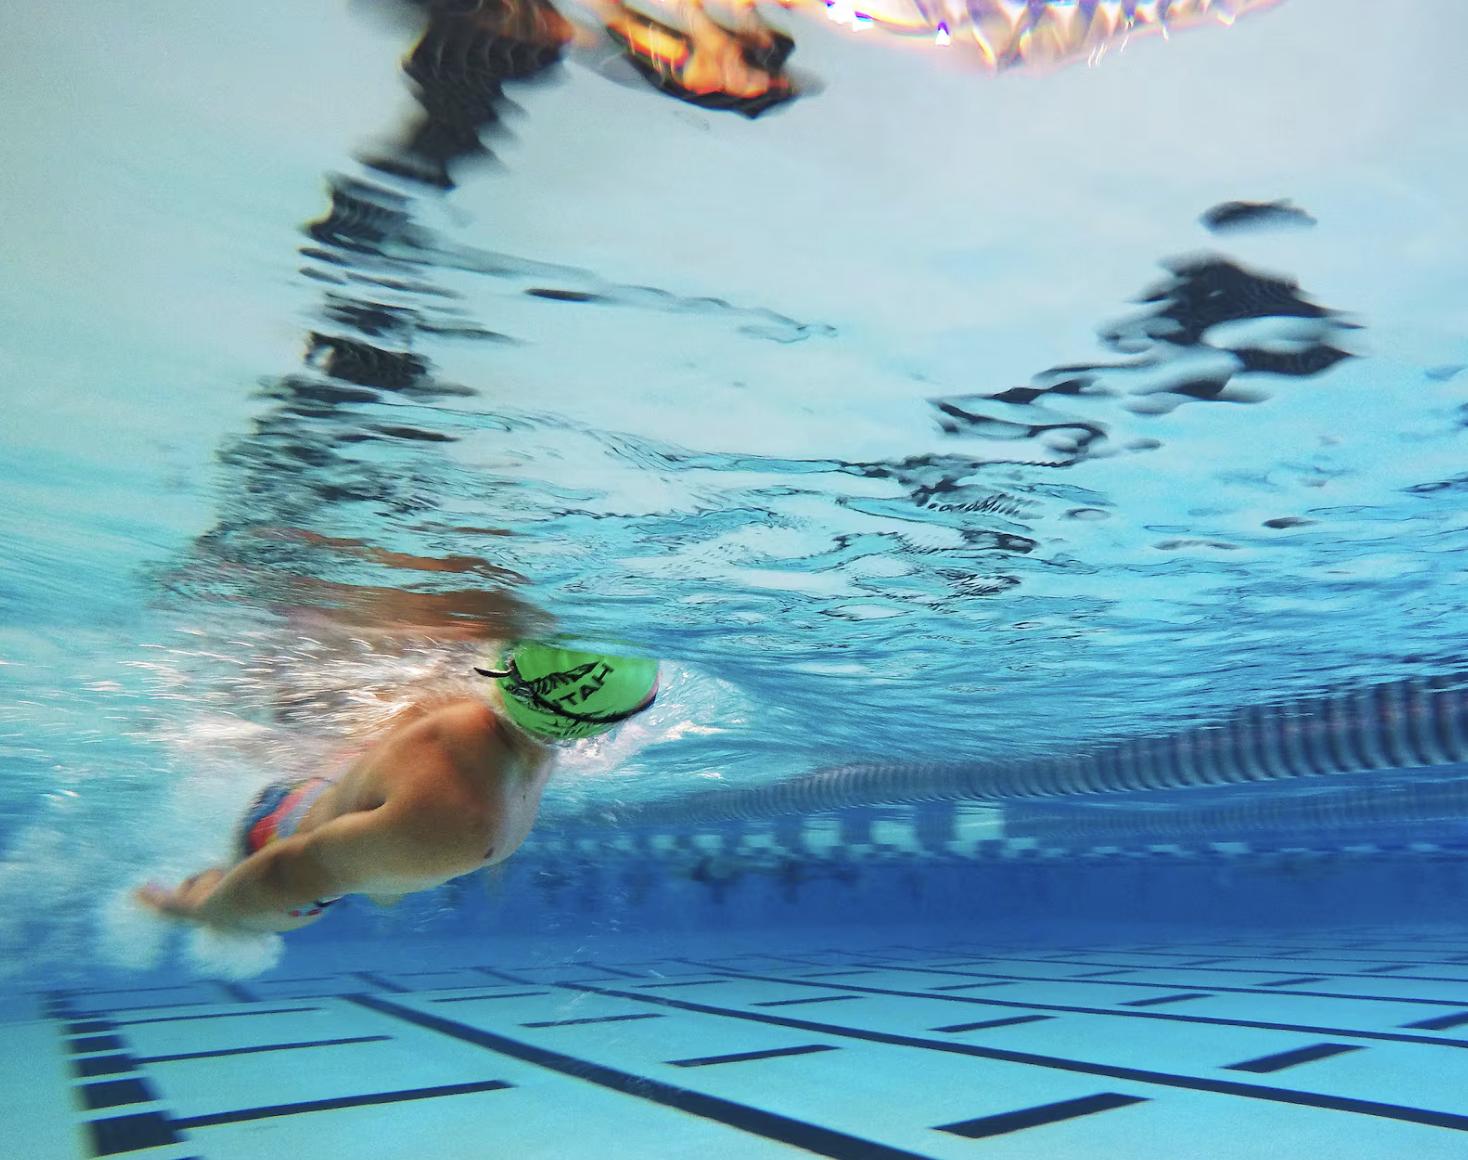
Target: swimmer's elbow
{"type": "Point", "coordinates": [359, 852]}
{"type": "Point", "coordinates": [293, 873]}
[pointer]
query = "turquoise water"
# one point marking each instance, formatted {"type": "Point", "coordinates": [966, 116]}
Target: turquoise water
{"type": "Point", "coordinates": [1022, 518]}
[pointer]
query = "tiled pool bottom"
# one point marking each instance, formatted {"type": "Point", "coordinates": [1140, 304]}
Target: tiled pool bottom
{"type": "Point", "coordinates": [1271, 1046]}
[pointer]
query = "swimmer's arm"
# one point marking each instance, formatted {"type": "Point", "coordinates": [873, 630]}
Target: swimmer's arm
{"type": "Point", "coordinates": [425, 843]}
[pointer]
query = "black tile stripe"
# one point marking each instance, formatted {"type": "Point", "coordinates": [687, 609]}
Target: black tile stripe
{"type": "Point", "coordinates": [94, 1043]}
{"type": "Point", "coordinates": [591, 1019]}
{"type": "Point", "coordinates": [93, 1065]}
{"type": "Point", "coordinates": [985, 1024]}
{"type": "Point", "coordinates": [238, 993]}
{"type": "Point", "coordinates": [689, 983]}
{"type": "Point", "coordinates": [757, 1121]}
{"type": "Point", "coordinates": [130, 1133]}
{"type": "Point", "coordinates": [114, 1093]}
{"type": "Point", "coordinates": [1035, 1117]}
{"type": "Point", "coordinates": [1321, 953]}
{"type": "Point", "coordinates": [214, 1015]}
{"type": "Point", "coordinates": [1118, 1013]}
{"type": "Point", "coordinates": [1399, 1112]}
{"type": "Point", "coordinates": [1441, 1022]}
{"type": "Point", "coordinates": [261, 1048]}
{"type": "Point", "coordinates": [973, 986]}
{"type": "Point", "coordinates": [836, 974]}
{"type": "Point", "coordinates": [593, 979]}
{"type": "Point", "coordinates": [947, 968]}
{"type": "Point", "coordinates": [803, 1002]}
{"type": "Point", "coordinates": [380, 983]}
{"type": "Point", "coordinates": [104, 1011]}
{"type": "Point", "coordinates": [1387, 970]}
{"type": "Point", "coordinates": [89, 1026]}
{"type": "Point", "coordinates": [1283, 1059]}
{"type": "Point", "coordinates": [210, 1119]}
{"type": "Point", "coordinates": [294, 979]}
{"type": "Point", "coordinates": [518, 980]}
{"type": "Point", "coordinates": [499, 995]}
{"type": "Point", "coordinates": [1176, 986]}
{"type": "Point", "coordinates": [1104, 974]}
{"type": "Point", "coordinates": [746, 1056]}
{"type": "Point", "coordinates": [1293, 982]}
{"type": "Point", "coordinates": [611, 970]}
{"type": "Point", "coordinates": [1159, 1000]}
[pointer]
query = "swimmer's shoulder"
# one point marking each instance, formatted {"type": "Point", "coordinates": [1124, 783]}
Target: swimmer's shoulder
{"type": "Point", "coordinates": [467, 729]}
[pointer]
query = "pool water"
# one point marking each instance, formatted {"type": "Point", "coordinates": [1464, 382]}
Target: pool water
{"type": "Point", "coordinates": [1030, 434]}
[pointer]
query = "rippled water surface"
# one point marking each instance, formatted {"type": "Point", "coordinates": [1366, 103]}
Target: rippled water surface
{"type": "Point", "coordinates": [938, 409]}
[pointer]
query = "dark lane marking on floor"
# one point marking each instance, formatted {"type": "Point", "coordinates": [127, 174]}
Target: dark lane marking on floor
{"type": "Point", "coordinates": [1160, 1000]}
{"type": "Point", "coordinates": [130, 1007]}
{"type": "Point", "coordinates": [382, 984]}
{"type": "Point", "coordinates": [1115, 1012]}
{"type": "Point", "coordinates": [1017, 1004]}
{"type": "Point", "coordinates": [971, 986]}
{"type": "Point", "coordinates": [90, 1066]}
{"type": "Point", "coordinates": [946, 968]}
{"type": "Point", "coordinates": [1292, 982]}
{"type": "Point", "coordinates": [116, 1093]}
{"type": "Point", "coordinates": [89, 1026]}
{"type": "Point", "coordinates": [1322, 953]}
{"type": "Point", "coordinates": [214, 1015]}
{"type": "Point", "coordinates": [209, 1119]}
{"type": "Point", "coordinates": [1283, 1059]}
{"type": "Point", "coordinates": [94, 1043]}
{"type": "Point", "coordinates": [298, 979]}
{"type": "Point", "coordinates": [1440, 1022]}
{"type": "Point", "coordinates": [130, 1133]}
{"type": "Point", "coordinates": [985, 1024]}
{"type": "Point", "coordinates": [1104, 974]}
{"type": "Point", "coordinates": [238, 993]}
{"type": "Point", "coordinates": [1177, 986]}
{"type": "Point", "coordinates": [1400, 1112]}
{"type": "Point", "coordinates": [518, 980]}
{"type": "Point", "coordinates": [261, 1048]}
{"type": "Point", "coordinates": [610, 970]}
{"type": "Point", "coordinates": [683, 983]}
{"type": "Point", "coordinates": [746, 1056]}
{"type": "Point", "coordinates": [1387, 970]}
{"type": "Point", "coordinates": [500, 995]}
{"type": "Point", "coordinates": [1035, 1117]}
{"type": "Point", "coordinates": [836, 974]}
{"type": "Point", "coordinates": [802, 1002]}
{"type": "Point", "coordinates": [591, 1019]}
{"type": "Point", "coordinates": [756, 1121]}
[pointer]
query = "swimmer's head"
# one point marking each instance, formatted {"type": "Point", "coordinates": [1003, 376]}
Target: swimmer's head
{"type": "Point", "coordinates": [563, 694]}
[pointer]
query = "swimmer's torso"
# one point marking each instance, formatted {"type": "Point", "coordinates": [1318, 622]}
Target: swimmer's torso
{"type": "Point", "coordinates": [459, 771]}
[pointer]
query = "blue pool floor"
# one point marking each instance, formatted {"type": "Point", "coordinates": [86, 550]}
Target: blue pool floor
{"type": "Point", "coordinates": [1275, 1044]}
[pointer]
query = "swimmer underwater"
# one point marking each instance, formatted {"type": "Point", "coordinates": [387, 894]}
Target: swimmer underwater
{"type": "Point", "coordinates": [451, 791]}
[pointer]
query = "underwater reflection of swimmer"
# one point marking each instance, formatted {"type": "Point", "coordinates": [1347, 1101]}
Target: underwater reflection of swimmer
{"type": "Point", "coordinates": [739, 69]}
{"type": "Point", "coordinates": [469, 49]}
{"type": "Point", "coordinates": [453, 790]}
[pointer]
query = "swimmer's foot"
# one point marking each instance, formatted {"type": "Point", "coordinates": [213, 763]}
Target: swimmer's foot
{"type": "Point", "coordinates": [739, 70]}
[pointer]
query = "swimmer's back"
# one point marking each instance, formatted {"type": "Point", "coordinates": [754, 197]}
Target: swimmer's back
{"type": "Point", "coordinates": [454, 777]}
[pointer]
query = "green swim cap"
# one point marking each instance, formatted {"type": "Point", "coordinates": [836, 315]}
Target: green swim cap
{"type": "Point", "coordinates": [564, 694]}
